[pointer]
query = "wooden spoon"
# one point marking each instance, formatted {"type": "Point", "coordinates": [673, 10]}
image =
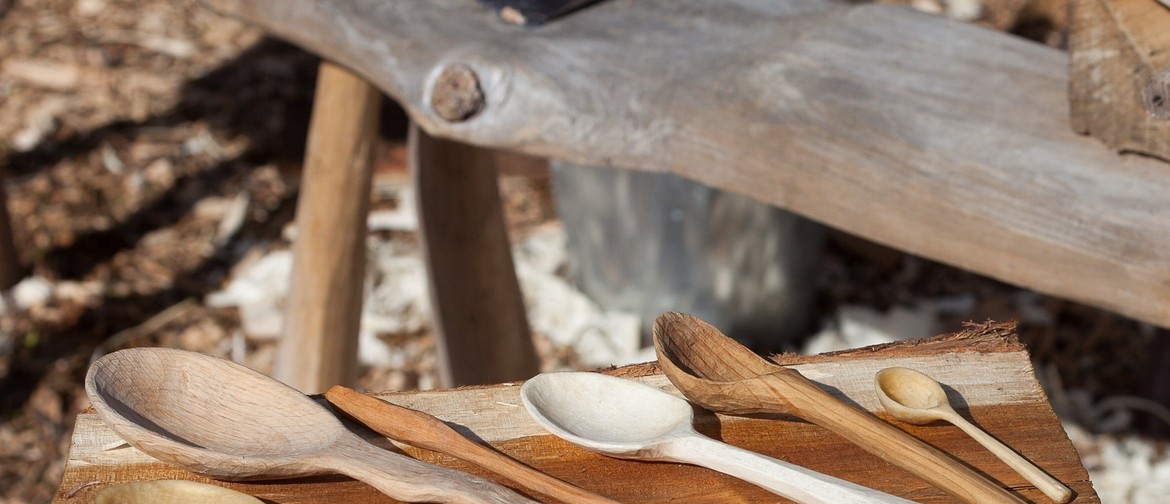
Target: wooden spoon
{"type": "Point", "coordinates": [721, 375]}
{"type": "Point", "coordinates": [913, 397]}
{"type": "Point", "coordinates": [420, 429]}
{"type": "Point", "coordinates": [631, 420]}
{"type": "Point", "coordinates": [169, 491]}
{"type": "Point", "coordinates": [218, 418]}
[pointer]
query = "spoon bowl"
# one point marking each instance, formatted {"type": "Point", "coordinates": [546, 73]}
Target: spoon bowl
{"type": "Point", "coordinates": [185, 404]}
{"type": "Point", "coordinates": [220, 419]}
{"type": "Point", "coordinates": [632, 420]}
{"type": "Point", "coordinates": [608, 415]}
{"type": "Point", "coordinates": [721, 375]}
{"type": "Point", "coordinates": [915, 398]}
{"type": "Point", "coordinates": [153, 492]}
{"type": "Point", "coordinates": [911, 396]}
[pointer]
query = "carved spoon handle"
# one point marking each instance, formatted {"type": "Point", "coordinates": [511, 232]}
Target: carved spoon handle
{"type": "Point", "coordinates": [419, 429]}
{"type": "Point", "coordinates": [812, 403]}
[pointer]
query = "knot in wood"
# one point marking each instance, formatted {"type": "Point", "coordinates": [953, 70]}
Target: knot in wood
{"type": "Point", "coordinates": [1156, 95]}
{"type": "Point", "coordinates": [456, 95]}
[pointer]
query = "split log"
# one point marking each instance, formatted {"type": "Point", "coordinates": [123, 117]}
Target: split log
{"type": "Point", "coordinates": [942, 139]}
{"type": "Point", "coordinates": [1120, 73]}
{"type": "Point", "coordinates": [988, 372]}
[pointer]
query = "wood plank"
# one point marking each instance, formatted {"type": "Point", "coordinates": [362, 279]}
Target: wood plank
{"type": "Point", "coordinates": [1118, 48]}
{"type": "Point", "coordinates": [943, 139]}
{"type": "Point", "coordinates": [988, 373]}
{"type": "Point", "coordinates": [320, 342]}
{"type": "Point", "coordinates": [473, 286]}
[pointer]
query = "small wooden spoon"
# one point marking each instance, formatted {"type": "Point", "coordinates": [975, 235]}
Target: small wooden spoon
{"type": "Point", "coordinates": [913, 397]}
{"type": "Point", "coordinates": [721, 375]}
{"type": "Point", "coordinates": [420, 429]}
{"type": "Point", "coordinates": [170, 491]}
{"type": "Point", "coordinates": [218, 418]}
{"type": "Point", "coordinates": [631, 420]}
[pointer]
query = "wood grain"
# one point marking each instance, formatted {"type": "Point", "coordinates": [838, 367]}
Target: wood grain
{"type": "Point", "coordinates": [422, 430]}
{"type": "Point", "coordinates": [635, 421]}
{"type": "Point", "coordinates": [719, 374]}
{"type": "Point", "coordinates": [220, 419]}
{"type": "Point", "coordinates": [473, 285]}
{"type": "Point", "coordinates": [319, 346]}
{"type": "Point", "coordinates": [890, 124]}
{"type": "Point", "coordinates": [916, 398]}
{"type": "Point", "coordinates": [1117, 49]}
{"type": "Point", "coordinates": [989, 374]}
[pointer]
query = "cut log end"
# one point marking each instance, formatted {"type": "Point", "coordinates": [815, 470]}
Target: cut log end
{"type": "Point", "coordinates": [456, 95]}
{"type": "Point", "coordinates": [1156, 95]}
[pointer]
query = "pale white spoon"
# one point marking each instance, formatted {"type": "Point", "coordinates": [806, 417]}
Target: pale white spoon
{"type": "Point", "coordinates": [631, 420]}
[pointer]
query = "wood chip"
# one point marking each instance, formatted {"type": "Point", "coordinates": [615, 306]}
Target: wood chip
{"type": "Point", "coordinates": [45, 74]}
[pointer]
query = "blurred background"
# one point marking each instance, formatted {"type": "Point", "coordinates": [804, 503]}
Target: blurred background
{"type": "Point", "coordinates": [152, 152]}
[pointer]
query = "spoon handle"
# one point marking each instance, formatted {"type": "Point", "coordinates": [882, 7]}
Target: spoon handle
{"type": "Point", "coordinates": [792, 393]}
{"type": "Point", "coordinates": [791, 481]}
{"type": "Point", "coordinates": [410, 480]}
{"type": "Point", "coordinates": [1054, 489]}
{"type": "Point", "coordinates": [420, 429]}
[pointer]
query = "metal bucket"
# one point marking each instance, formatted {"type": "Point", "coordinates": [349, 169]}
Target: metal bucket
{"type": "Point", "coordinates": [650, 243]}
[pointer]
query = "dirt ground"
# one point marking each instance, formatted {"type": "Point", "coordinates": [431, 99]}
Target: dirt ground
{"type": "Point", "coordinates": [150, 148]}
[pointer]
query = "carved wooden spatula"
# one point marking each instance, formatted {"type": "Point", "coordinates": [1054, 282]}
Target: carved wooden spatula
{"type": "Point", "coordinates": [420, 429]}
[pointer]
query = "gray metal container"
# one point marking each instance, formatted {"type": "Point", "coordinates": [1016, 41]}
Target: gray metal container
{"type": "Point", "coordinates": [650, 243]}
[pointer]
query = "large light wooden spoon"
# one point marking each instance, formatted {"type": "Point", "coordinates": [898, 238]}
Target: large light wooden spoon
{"type": "Point", "coordinates": [218, 418]}
{"type": "Point", "coordinates": [631, 420]}
{"type": "Point", "coordinates": [420, 429]}
{"type": "Point", "coordinates": [913, 397]}
{"type": "Point", "coordinates": [171, 491]}
{"type": "Point", "coordinates": [721, 375]}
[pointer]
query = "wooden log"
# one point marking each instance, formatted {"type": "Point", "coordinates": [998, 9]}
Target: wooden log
{"type": "Point", "coordinates": [988, 372]}
{"type": "Point", "coordinates": [1120, 73]}
{"type": "Point", "coordinates": [473, 285]}
{"type": "Point", "coordinates": [942, 139]}
{"type": "Point", "coordinates": [319, 346]}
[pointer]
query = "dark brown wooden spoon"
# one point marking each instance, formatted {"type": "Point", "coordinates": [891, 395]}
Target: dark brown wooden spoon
{"type": "Point", "coordinates": [721, 375]}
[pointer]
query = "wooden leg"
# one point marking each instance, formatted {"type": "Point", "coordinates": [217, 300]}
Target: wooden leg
{"type": "Point", "coordinates": [319, 346]}
{"type": "Point", "coordinates": [482, 328]}
{"type": "Point", "coordinates": [10, 270]}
